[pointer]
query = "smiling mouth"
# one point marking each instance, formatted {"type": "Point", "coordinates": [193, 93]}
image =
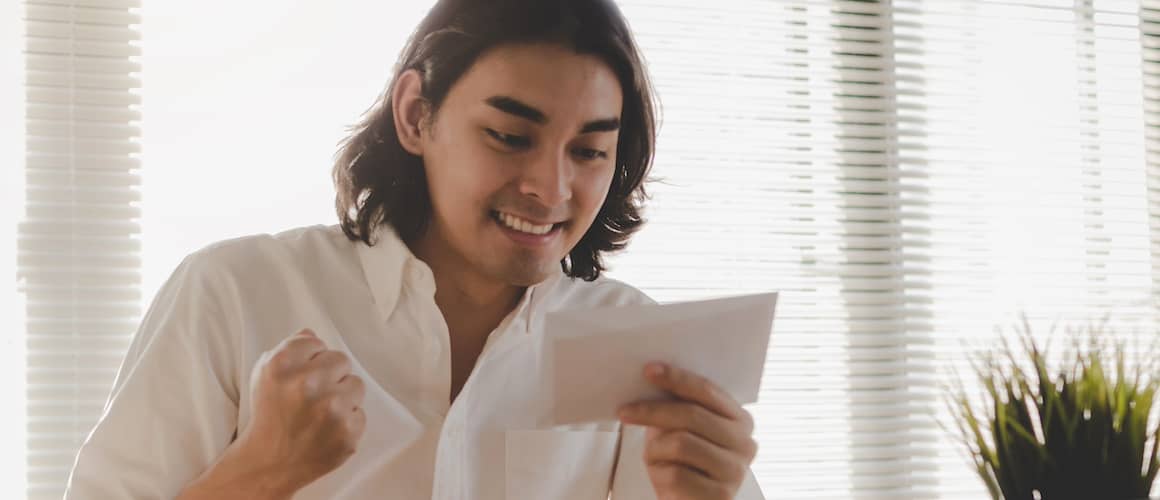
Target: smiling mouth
{"type": "Point", "coordinates": [522, 225]}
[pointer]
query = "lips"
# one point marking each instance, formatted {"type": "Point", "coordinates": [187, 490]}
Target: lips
{"type": "Point", "coordinates": [517, 223]}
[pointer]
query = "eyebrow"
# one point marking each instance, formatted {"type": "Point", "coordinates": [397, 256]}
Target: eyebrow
{"type": "Point", "coordinates": [513, 106]}
{"type": "Point", "coordinates": [605, 125]}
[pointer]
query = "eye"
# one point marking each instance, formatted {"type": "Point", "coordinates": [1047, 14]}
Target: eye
{"type": "Point", "coordinates": [509, 140]}
{"type": "Point", "coordinates": [590, 154]}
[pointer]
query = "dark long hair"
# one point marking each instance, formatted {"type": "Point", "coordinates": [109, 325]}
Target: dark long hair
{"type": "Point", "coordinates": [379, 182]}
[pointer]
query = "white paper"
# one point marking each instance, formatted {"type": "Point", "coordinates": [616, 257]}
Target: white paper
{"type": "Point", "coordinates": [596, 357]}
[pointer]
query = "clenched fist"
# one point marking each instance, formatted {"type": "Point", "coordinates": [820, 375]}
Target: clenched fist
{"type": "Point", "coordinates": [308, 416]}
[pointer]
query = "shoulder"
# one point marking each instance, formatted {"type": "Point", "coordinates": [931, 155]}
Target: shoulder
{"type": "Point", "coordinates": [264, 252]}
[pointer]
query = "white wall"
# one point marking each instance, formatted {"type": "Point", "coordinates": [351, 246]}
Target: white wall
{"type": "Point", "coordinates": [243, 105]}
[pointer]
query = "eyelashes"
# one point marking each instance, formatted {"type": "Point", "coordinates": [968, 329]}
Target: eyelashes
{"type": "Point", "coordinates": [510, 140]}
{"type": "Point", "coordinates": [590, 154]}
{"type": "Point", "coordinates": [514, 142]}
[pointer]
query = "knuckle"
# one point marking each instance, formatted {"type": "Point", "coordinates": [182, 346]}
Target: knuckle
{"type": "Point", "coordinates": [357, 423]}
{"type": "Point", "coordinates": [323, 358]}
{"type": "Point", "coordinates": [736, 472]}
{"type": "Point", "coordinates": [682, 444]}
{"type": "Point", "coordinates": [350, 443]}
{"type": "Point", "coordinates": [303, 342]}
{"type": "Point", "coordinates": [720, 491]}
{"type": "Point", "coordinates": [339, 360]}
{"type": "Point", "coordinates": [706, 386]}
{"type": "Point", "coordinates": [668, 476]}
{"type": "Point", "coordinates": [751, 450]}
{"type": "Point", "coordinates": [354, 430]}
{"type": "Point", "coordinates": [653, 450]}
{"type": "Point", "coordinates": [662, 447]}
{"type": "Point", "coordinates": [281, 362]}
{"type": "Point", "coordinates": [313, 343]}
{"type": "Point", "coordinates": [354, 419]}
{"type": "Point", "coordinates": [357, 386]}
{"type": "Point", "coordinates": [307, 385]}
{"type": "Point", "coordinates": [698, 416]}
{"type": "Point", "coordinates": [747, 419]}
{"type": "Point", "coordinates": [336, 406]}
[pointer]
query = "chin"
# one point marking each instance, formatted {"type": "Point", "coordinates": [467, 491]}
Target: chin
{"type": "Point", "coordinates": [524, 275]}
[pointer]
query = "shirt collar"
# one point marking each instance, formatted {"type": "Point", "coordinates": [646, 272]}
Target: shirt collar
{"type": "Point", "coordinates": [534, 299]}
{"type": "Point", "coordinates": [389, 265]}
{"type": "Point", "coordinates": [384, 265]}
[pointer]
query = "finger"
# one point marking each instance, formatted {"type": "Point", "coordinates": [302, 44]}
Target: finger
{"type": "Point", "coordinates": [692, 387]}
{"type": "Point", "coordinates": [684, 482]}
{"type": "Point", "coordinates": [691, 450]}
{"type": "Point", "coordinates": [302, 346]}
{"type": "Point", "coordinates": [351, 389]}
{"type": "Point", "coordinates": [356, 424]}
{"type": "Point", "coordinates": [333, 365]}
{"type": "Point", "coordinates": [686, 416]}
{"type": "Point", "coordinates": [290, 355]}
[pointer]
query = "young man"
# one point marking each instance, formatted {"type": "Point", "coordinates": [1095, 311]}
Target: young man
{"type": "Point", "coordinates": [396, 356]}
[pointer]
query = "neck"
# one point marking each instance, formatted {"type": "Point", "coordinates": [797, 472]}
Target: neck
{"type": "Point", "coordinates": [472, 304]}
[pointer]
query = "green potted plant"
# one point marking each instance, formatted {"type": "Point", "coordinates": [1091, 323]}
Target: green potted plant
{"type": "Point", "coordinates": [1080, 431]}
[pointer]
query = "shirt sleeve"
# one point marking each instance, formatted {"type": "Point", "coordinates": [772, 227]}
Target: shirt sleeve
{"type": "Point", "coordinates": [630, 480]}
{"type": "Point", "coordinates": [173, 408]}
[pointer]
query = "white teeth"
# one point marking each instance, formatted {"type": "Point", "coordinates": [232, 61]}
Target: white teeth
{"type": "Point", "coordinates": [523, 226]}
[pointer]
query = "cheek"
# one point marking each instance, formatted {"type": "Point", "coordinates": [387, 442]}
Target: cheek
{"type": "Point", "coordinates": [592, 189]}
{"type": "Point", "coordinates": [462, 181]}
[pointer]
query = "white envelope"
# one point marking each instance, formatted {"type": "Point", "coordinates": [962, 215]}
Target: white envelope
{"type": "Point", "coordinates": [596, 357]}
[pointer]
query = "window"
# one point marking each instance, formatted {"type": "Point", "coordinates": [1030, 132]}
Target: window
{"type": "Point", "coordinates": [78, 241]}
{"type": "Point", "coordinates": [908, 174]}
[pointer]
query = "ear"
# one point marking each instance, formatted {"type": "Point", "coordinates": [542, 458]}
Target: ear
{"type": "Point", "coordinates": [410, 111]}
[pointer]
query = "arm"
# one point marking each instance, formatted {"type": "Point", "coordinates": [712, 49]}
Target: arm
{"type": "Point", "coordinates": [235, 477]}
{"type": "Point", "coordinates": [173, 408]}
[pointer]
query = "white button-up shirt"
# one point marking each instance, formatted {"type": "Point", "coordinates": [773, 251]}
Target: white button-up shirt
{"type": "Point", "coordinates": [184, 388]}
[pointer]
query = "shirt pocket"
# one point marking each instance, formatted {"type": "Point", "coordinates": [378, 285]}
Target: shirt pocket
{"type": "Point", "coordinates": [559, 464]}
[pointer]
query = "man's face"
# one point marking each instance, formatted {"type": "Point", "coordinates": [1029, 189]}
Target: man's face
{"type": "Point", "coordinates": [519, 159]}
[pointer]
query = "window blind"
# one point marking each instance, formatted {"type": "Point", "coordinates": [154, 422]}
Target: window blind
{"type": "Point", "coordinates": [776, 172]}
{"type": "Point", "coordinates": [78, 249]}
{"type": "Point", "coordinates": [1022, 154]}
{"type": "Point", "coordinates": [911, 175]}
{"type": "Point", "coordinates": [1150, 52]}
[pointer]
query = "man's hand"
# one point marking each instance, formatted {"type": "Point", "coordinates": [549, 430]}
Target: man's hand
{"type": "Point", "coordinates": [698, 446]}
{"type": "Point", "coordinates": [308, 415]}
{"type": "Point", "coordinates": [307, 421]}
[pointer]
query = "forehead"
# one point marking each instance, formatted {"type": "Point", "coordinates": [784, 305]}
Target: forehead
{"type": "Point", "coordinates": [564, 84]}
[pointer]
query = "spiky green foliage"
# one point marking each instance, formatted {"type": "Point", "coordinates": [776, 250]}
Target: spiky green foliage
{"type": "Point", "coordinates": [1083, 434]}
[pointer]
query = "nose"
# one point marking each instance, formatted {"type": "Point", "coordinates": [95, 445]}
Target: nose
{"type": "Point", "coordinates": [549, 178]}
